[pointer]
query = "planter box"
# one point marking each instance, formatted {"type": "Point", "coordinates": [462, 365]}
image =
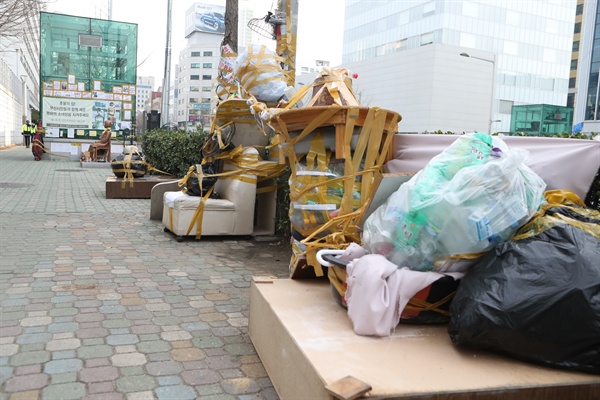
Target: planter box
{"type": "Point", "coordinates": [119, 188]}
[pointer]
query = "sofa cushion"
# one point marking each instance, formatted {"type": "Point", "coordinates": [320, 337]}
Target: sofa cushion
{"type": "Point", "coordinates": [180, 200]}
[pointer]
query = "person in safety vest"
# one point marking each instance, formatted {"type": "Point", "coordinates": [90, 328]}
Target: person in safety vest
{"type": "Point", "coordinates": [32, 129]}
{"type": "Point", "coordinates": [26, 134]}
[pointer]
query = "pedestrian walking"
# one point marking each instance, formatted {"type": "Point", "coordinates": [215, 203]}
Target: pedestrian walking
{"type": "Point", "coordinates": [26, 132]}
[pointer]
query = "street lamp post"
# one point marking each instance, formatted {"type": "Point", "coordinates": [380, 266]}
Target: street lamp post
{"type": "Point", "coordinates": [493, 61]}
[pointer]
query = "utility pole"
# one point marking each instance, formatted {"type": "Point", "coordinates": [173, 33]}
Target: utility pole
{"type": "Point", "coordinates": [167, 78]}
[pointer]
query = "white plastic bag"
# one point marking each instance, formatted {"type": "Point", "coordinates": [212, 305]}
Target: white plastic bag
{"type": "Point", "coordinates": [472, 196]}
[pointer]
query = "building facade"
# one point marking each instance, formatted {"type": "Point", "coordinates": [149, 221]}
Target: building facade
{"type": "Point", "coordinates": [584, 85]}
{"type": "Point", "coordinates": [193, 99]}
{"type": "Point", "coordinates": [527, 44]}
{"type": "Point", "coordinates": [19, 74]}
{"type": "Point", "coordinates": [143, 92]}
{"type": "Point", "coordinates": [144, 88]}
{"type": "Point", "coordinates": [88, 75]}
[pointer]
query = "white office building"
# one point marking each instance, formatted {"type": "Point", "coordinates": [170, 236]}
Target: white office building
{"type": "Point", "coordinates": [193, 98]}
{"type": "Point", "coordinates": [143, 91]}
{"type": "Point", "coordinates": [519, 52]}
{"type": "Point", "coordinates": [19, 73]}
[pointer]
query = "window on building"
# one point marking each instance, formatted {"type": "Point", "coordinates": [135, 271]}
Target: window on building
{"type": "Point", "coordinates": [206, 77]}
{"type": "Point", "coordinates": [577, 27]}
{"type": "Point", "coordinates": [194, 77]}
{"type": "Point", "coordinates": [206, 100]}
{"type": "Point", "coordinates": [400, 44]}
{"type": "Point", "coordinates": [509, 80]}
{"type": "Point", "coordinates": [207, 65]}
{"type": "Point", "coordinates": [571, 83]}
{"type": "Point", "coordinates": [579, 9]}
{"type": "Point", "coordinates": [470, 9]}
{"type": "Point", "coordinates": [426, 38]}
{"type": "Point", "coordinates": [571, 100]}
{"type": "Point", "coordinates": [428, 8]}
{"type": "Point", "coordinates": [505, 106]}
{"type": "Point", "coordinates": [193, 100]}
{"type": "Point", "coordinates": [207, 54]}
{"type": "Point", "coordinates": [195, 54]}
{"type": "Point", "coordinates": [590, 111]}
{"type": "Point", "coordinates": [206, 88]}
{"type": "Point", "coordinates": [573, 64]}
{"type": "Point", "coordinates": [195, 65]}
{"type": "Point", "coordinates": [511, 48]}
{"type": "Point", "coordinates": [547, 83]}
{"type": "Point", "coordinates": [575, 46]}
{"type": "Point", "coordinates": [468, 40]}
{"type": "Point", "coordinates": [194, 89]}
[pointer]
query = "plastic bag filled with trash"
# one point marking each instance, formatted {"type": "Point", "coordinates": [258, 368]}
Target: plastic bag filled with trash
{"type": "Point", "coordinates": [472, 196]}
{"type": "Point", "coordinates": [259, 71]}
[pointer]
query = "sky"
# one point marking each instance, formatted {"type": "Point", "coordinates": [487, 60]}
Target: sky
{"type": "Point", "coordinates": [320, 27]}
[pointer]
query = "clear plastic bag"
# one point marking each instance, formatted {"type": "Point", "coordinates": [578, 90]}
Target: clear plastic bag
{"type": "Point", "coordinates": [472, 196]}
{"type": "Point", "coordinates": [259, 72]}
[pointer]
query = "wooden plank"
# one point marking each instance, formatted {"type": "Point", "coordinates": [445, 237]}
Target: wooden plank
{"type": "Point", "coordinates": [348, 388]}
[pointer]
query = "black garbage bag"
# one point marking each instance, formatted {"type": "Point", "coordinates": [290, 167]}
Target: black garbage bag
{"type": "Point", "coordinates": [537, 297]}
{"type": "Point", "coordinates": [193, 186]}
{"type": "Point", "coordinates": [136, 165]}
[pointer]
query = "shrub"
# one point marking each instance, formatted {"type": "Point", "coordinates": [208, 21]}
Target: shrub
{"type": "Point", "coordinates": [172, 152]}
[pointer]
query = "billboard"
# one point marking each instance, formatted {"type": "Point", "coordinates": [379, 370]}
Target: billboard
{"type": "Point", "coordinates": [206, 18]}
{"type": "Point", "coordinates": [84, 114]}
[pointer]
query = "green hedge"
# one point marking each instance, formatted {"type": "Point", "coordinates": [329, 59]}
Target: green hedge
{"type": "Point", "coordinates": [172, 152]}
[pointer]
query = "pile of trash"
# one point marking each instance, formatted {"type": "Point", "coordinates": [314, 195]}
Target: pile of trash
{"type": "Point", "coordinates": [523, 260]}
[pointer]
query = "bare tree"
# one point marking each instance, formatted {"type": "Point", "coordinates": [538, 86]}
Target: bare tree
{"type": "Point", "coordinates": [15, 16]}
{"type": "Point", "coordinates": [231, 25]}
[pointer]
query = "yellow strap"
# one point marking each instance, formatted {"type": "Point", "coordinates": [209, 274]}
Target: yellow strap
{"type": "Point", "coordinates": [267, 189]}
{"type": "Point", "coordinates": [197, 217]}
{"type": "Point", "coordinates": [38, 143]}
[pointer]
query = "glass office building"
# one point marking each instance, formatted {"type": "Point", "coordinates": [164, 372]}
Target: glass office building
{"type": "Point", "coordinates": [530, 41]}
{"type": "Point", "coordinates": [87, 75]}
{"type": "Point", "coordinates": [584, 85]}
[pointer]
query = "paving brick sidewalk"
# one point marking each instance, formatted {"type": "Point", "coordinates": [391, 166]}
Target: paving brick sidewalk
{"type": "Point", "coordinates": [97, 302]}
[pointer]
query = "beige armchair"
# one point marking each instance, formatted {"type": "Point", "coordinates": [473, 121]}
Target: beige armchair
{"type": "Point", "coordinates": [232, 214]}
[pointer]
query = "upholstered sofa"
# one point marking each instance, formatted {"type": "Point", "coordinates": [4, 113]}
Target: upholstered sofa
{"type": "Point", "coordinates": [231, 214]}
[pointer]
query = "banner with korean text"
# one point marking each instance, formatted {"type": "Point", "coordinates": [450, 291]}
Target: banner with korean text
{"type": "Point", "coordinates": [67, 113]}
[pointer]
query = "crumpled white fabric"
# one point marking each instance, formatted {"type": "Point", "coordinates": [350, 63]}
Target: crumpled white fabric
{"type": "Point", "coordinates": [378, 292]}
{"type": "Point", "coordinates": [354, 250]}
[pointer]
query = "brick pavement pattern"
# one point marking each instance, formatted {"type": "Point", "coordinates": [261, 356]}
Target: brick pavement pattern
{"type": "Point", "coordinates": [97, 302]}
